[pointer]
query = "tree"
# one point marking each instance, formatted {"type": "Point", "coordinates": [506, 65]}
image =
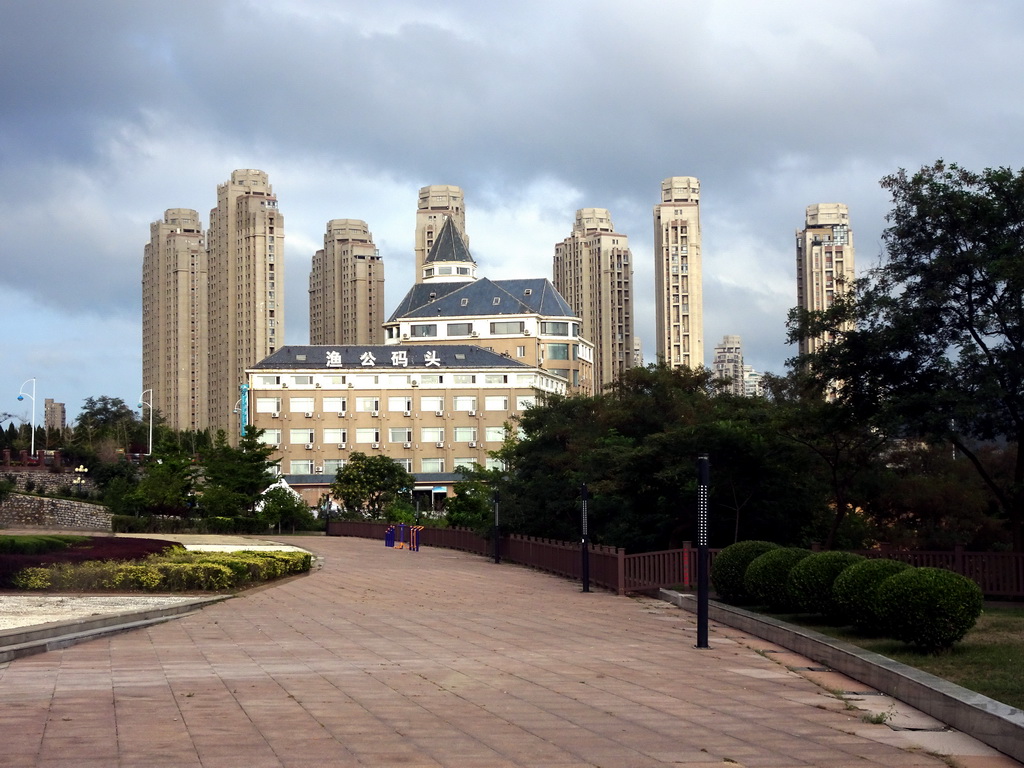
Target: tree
{"type": "Point", "coordinates": [234, 478]}
{"type": "Point", "coordinates": [930, 343]}
{"type": "Point", "coordinates": [284, 507]}
{"type": "Point", "coordinates": [368, 485]}
{"type": "Point", "coordinates": [168, 484]}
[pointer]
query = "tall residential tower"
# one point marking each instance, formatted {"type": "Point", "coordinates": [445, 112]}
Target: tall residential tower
{"type": "Point", "coordinates": [245, 247]}
{"type": "Point", "coordinates": [174, 312]}
{"type": "Point", "coordinates": [346, 287]}
{"type": "Point", "coordinates": [593, 272]}
{"type": "Point", "coordinates": [677, 273]}
{"type": "Point", "coordinates": [824, 261]}
{"type": "Point", "coordinates": [437, 203]}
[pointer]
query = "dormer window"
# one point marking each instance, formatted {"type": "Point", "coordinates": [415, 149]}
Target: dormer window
{"type": "Point", "coordinates": [496, 301]}
{"type": "Point", "coordinates": [464, 303]}
{"type": "Point", "coordinates": [528, 291]}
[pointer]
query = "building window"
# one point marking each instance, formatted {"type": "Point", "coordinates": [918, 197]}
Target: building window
{"type": "Point", "coordinates": [495, 464]}
{"type": "Point", "coordinates": [431, 378]}
{"type": "Point", "coordinates": [464, 378]}
{"type": "Point", "coordinates": [368, 435]}
{"type": "Point", "coordinates": [432, 403]}
{"type": "Point", "coordinates": [400, 403]}
{"type": "Point", "coordinates": [301, 467]}
{"type": "Point", "coordinates": [331, 466]}
{"type": "Point", "coordinates": [496, 403]}
{"type": "Point", "coordinates": [400, 435]}
{"type": "Point", "coordinates": [465, 434]}
{"type": "Point", "coordinates": [267, 381]}
{"type": "Point", "coordinates": [494, 434]}
{"type": "Point", "coordinates": [432, 465]}
{"type": "Point", "coordinates": [405, 464]}
{"type": "Point", "coordinates": [300, 404]}
{"type": "Point", "coordinates": [495, 378]}
{"type": "Point", "coordinates": [335, 436]}
{"type": "Point", "coordinates": [557, 351]}
{"type": "Point", "coordinates": [335, 404]}
{"type": "Point", "coordinates": [367, 404]}
{"type": "Point", "coordinates": [271, 437]}
{"type": "Point", "coordinates": [432, 434]}
{"type": "Point", "coordinates": [520, 351]}
{"type": "Point", "coordinates": [525, 401]}
{"type": "Point", "coordinates": [555, 329]}
{"type": "Point", "coordinates": [268, 405]}
{"type": "Point", "coordinates": [423, 331]}
{"type": "Point", "coordinates": [301, 436]}
{"type": "Point", "coordinates": [466, 461]}
{"type": "Point", "coordinates": [464, 403]}
{"type": "Point", "coordinates": [507, 326]}
{"type": "Point", "coordinates": [460, 329]}
{"type": "Point", "coordinates": [302, 380]}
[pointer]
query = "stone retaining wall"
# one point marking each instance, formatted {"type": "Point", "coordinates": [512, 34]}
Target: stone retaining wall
{"type": "Point", "coordinates": [46, 481]}
{"type": "Point", "coordinates": [20, 511]}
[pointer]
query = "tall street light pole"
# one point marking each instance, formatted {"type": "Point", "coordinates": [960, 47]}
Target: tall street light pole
{"type": "Point", "coordinates": [142, 402]}
{"type": "Point", "coordinates": [22, 394]}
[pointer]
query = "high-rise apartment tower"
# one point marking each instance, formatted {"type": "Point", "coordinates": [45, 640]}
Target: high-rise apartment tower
{"type": "Point", "coordinates": [245, 247]}
{"type": "Point", "coordinates": [677, 273]}
{"type": "Point", "coordinates": [594, 273]}
{"type": "Point", "coordinates": [346, 287]}
{"type": "Point", "coordinates": [728, 363]}
{"type": "Point", "coordinates": [824, 261]}
{"type": "Point", "coordinates": [174, 319]}
{"type": "Point", "coordinates": [437, 203]}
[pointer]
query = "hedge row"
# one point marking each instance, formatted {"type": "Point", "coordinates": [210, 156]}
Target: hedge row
{"type": "Point", "coordinates": [33, 544]}
{"type": "Point", "coordinates": [174, 571]}
{"type": "Point", "coordinates": [168, 524]}
{"type": "Point", "coordinates": [929, 608]}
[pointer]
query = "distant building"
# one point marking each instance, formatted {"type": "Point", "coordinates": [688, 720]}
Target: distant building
{"type": "Point", "coordinates": [346, 287]}
{"type": "Point", "coordinates": [678, 291]}
{"type": "Point", "coordinates": [753, 382]}
{"type": "Point", "coordinates": [728, 363]}
{"type": "Point", "coordinates": [525, 320]}
{"type": "Point", "coordinates": [824, 261]}
{"type": "Point", "coordinates": [593, 271]}
{"type": "Point", "coordinates": [174, 319]}
{"type": "Point", "coordinates": [638, 352]}
{"type": "Point", "coordinates": [54, 415]}
{"type": "Point", "coordinates": [437, 203]}
{"type": "Point", "coordinates": [430, 407]}
{"type": "Point", "coordinates": [245, 248]}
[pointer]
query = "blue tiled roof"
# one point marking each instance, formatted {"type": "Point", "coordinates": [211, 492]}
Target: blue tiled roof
{"type": "Point", "coordinates": [449, 245]}
{"type": "Point", "coordinates": [384, 356]}
{"type": "Point", "coordinates": [483, 297]}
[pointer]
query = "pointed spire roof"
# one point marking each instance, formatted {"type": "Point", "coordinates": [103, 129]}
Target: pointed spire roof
{"type": "Point", "coordinates": [449, 245]}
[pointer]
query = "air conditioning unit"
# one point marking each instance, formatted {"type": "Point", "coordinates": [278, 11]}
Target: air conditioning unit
{"type": "Point", "coordinates": [414, 383]}
{"type": "Point", "coordinates": [405, 337]}
{"type": "Point", "coordinates": [375, 446]}
{"type": "Point", "coordinates": [472, 444]}
{"type": "Point", "coordinates": [309, 446]}
{"type": "Point", "coordinates": [318, 387]}
{"type": "Point", "coordinates": [526, 332]}
{"type": "Point", "coordinates": [408, 445]}
{"type": "Point", "coordinates": [342, 445]}
{"type": "Point", "coordinates": [342, 414]}
{"type": "Point", "coordinates": [475, 335]}
{"type": "Point", "coordinates": [318, 470]}
{"type": "Point", "coordinates": [284, 385]}
{"type": "Point", "coordinates": [472, 413]}
{"type": "Point", "coordinates": [309, 414]}
{"type": "Point", "coordinates": [439, 413]}
{"type": "Point", "coordinates": [275, 415]}
{"type": "Point", "coordinates": [375, 414]}
{"type": "Point", "coordinates": [439, 445]}
{"type": "Point", "coordinates": [408, 413]}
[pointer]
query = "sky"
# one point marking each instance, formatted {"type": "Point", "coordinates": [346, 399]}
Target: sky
{"type": "Point", "coordinates": [112, 111]}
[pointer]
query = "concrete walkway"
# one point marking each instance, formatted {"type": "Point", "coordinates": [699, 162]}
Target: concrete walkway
{"type": "Point", "coordinates": [431, 658]}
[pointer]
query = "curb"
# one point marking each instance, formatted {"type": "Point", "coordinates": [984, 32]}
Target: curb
{"type": "Point", "coordinates": [26, 641]}
{"type": "Point", "coordinates": [991, 722]}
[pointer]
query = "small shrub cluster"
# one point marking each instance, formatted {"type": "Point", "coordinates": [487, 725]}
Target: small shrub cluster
{"type": "Point", "coordinates": [170, 524]}
{"type": "Point", "coordinates": [36, 544]}
{"type": "Point", "coordinates": [175, 571]}
{"type": "Point", "coordinates": [730, 566]}
{"type": "Point", "coordinates": [929, 608]}
{"type": "Point", "coordinates": [80, 550]}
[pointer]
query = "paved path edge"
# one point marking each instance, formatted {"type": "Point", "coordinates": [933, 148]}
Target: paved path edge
{"type": "Point", "coordinates": [991, 722]}
{"type": "Point", "coordinates": [25, 641]}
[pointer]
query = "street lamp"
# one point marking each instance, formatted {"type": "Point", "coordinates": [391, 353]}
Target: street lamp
{"type": "Point", "coordinates": [79, 480]}
{"type": "Point", "coordinates": [142, 402]}
{"type": "Point", "coordinates": [22, 394]}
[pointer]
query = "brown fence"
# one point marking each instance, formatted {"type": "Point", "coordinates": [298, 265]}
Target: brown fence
{"type": "Point", "coordinates": [999, 574]}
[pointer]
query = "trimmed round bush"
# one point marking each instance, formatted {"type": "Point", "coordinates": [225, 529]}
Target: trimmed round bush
{"type": "Point", "coordinates": [730, 566]}
{"type": "Point", "coordinates": [929, 608]}
{"type": "Point", "coordinates": [810, 581]}
{"type": "Point", "coordinates": [853, 592]}
{"type": "Point", "coordinates": [767, 577]}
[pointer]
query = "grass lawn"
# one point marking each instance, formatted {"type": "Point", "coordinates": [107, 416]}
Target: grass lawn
{"type": "Point", "coordinates": [989, 660]}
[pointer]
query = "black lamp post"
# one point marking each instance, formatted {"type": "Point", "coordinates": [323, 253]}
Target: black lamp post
{"type": "Point", "coordinates": [584, 543]}
{"type": "Point", "coordinates": [703, 477]}
{"type": "Point", "coordinates": [497, 541]}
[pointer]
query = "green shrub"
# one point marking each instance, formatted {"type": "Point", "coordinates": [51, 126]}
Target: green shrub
{"type": "Point", "coordinates": [767, 577]}
{"type": "Point", "coordinates": [32, 578]}
{"type": "Point", "coordinates": [854, 592]}
{"type": "Point", "coordinates": [929, 608]}
{"type": "Point", "coordinates": [128, 524]}
{"type": "Point", "coordinates": [134, 576]}
{"type": "Point", "coordinates": [810, 581]}
{"type": "Point", "coordinates": [36, 544]}
{"type": "Point", "coordinates": [730, 566]}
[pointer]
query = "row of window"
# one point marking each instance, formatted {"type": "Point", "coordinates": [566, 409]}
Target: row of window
{"type": "Point", "coordinates": [338, 436]}
{"type": "Point", "coordinates": [500, 327]}
{"type": "Point", "coordinates": [331, 466]}
{"type": "Point", "coordinates": [395, 379]}
{"type": "Point", "coordinates": [399, 404]}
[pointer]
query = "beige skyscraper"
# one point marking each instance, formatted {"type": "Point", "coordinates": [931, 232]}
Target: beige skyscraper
{"type": "Point", "coordinates": [245, 247]}
{"type": "Point", "coordinates": [346, 287]}
{"type": "Point", "coordinates": [437, 203]}
{"type": "Point", "coordinates": [824, 260]}
{"type": "Point", "coordinates": [174, 311]}
{"type": "Point", "coordinates": [677, 273]}
{"type": "Point", "coordinates": [728, 363]}
{"type": "Point", "coordinates": [593, 271]}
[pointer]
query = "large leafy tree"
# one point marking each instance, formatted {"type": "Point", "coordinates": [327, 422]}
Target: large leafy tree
{"type": "Point", "coordinates": [368, 485]}
{"type": "Point", "coordinates": [168, 484]}
{"type": "Point", "coordinates": [931, 341]}
{"type": "Point", "coordinates": [234, 477]}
